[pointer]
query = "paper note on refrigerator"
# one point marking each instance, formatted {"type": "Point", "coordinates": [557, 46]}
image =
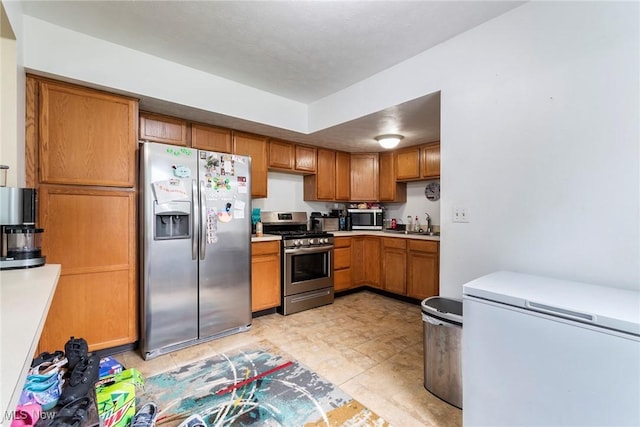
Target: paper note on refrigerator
{"type": "Point", "coordinates": [169, 190]}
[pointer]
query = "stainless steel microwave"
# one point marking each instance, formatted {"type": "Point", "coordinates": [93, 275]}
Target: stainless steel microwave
{"type": "Point", "coordinates": [365, 219]}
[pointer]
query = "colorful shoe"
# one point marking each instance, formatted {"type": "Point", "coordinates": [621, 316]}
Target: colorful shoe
{"type": "Point", "coordinates": [47, 357]}
{"type": "Point", "coordinates": [45, 394]}
{"type": "Point", "coordinates": [48, 368]}
{"type": "Point", "coordinates": [146, 416]}
{"type": "Point", "coordinates": [83, 378]}
{"type": "Point", "coordinates": [26, 415]}
{"type": "Point", "coordinates": [75, 349]}
{"type": "Point", "coordinates": [73, 414]}
{"type": "Point", "coordinates": [194, 420]}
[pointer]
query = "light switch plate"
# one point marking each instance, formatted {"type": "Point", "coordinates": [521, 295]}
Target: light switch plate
{"type": "Point", "coordinates": [460, 214]}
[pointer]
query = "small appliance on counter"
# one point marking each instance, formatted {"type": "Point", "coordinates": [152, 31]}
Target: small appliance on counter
{"type": "Point", "coordinates": [321, 222]}
{"type": "Point", "coordinates": [21, 241]}
{"type": "Point", "coordinates": [366, 219]}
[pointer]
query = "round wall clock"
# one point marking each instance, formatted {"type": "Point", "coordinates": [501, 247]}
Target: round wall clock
{"type": "Point", "coordinates": [432, 191]}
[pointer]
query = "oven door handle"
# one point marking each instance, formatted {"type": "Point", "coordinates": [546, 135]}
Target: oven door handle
{"type": "Point", "coordinates": [312, 250]}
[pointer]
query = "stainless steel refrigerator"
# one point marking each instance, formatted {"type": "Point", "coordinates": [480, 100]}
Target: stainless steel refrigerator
{"type": "Point", "coordinates": [195, 246]}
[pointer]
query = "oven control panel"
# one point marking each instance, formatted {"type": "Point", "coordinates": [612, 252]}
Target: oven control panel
{"type": "Point", "coordinates": [308, 241]}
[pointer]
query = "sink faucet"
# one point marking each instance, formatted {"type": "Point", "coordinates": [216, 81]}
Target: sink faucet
{"type": "Point", "coordinates": [428, 220]}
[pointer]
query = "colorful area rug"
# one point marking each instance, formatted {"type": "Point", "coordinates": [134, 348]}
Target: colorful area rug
{"type": "Point", "coordinates": [253, 387]}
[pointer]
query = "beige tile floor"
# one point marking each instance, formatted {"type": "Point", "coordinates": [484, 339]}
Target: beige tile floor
{"type": "Point", "coordinates": [369, 345]}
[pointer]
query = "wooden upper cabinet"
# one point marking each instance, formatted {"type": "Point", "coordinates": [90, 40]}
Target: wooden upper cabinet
{"type": "Point", "coordinates": [364, 176]}
{"type": "Point", "coordinates": [86, 137]}
{"type": "Point", "coordinates": [322, 185]}
{"type": "Point", "coordinates": [390, 190]}
{"type": "Point", "coordinates": [290, 157]}
{"type": "Point", "coordinates": [305, 159]}
{"type": "Point", "coordinates": [211, 138]}
{"type": "Point", "coordinates": [430, 167]}
{"type": "Point", "coordinates": [343, 176]}
{"type": "Point", "coordinates": [408, 163]}
{"type": "Point", "coordinates": [418, 162]}
{"type": "Point", "coordinates": [165, 129]}
{"type": "Point", "coordinates": [255, 146]}
{"type": "Point", "coordinates": [281, 155]}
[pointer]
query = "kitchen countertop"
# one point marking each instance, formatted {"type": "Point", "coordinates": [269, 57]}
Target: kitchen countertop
{"type": "Point", "coordinates": [265, 238]}
{"type": "Point", "coordinates": [384, 234]}
{"type": "Point", "coordinates": [25, 298]}
{"type": "Point", "coordinates": [270, 237]}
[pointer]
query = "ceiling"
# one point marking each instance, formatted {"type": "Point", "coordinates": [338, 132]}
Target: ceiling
{"type": "Point", "coordinates": [301, 50]}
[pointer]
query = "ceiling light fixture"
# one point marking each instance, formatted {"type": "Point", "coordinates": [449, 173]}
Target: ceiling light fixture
{"type": "Point", "coordinates": [389, 141]}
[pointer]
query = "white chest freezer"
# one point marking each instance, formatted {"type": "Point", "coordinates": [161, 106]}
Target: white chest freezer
{"type": "Point", "coordinates": [544, 352]}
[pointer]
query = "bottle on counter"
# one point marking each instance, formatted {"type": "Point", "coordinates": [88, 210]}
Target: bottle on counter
{"type": "Point", "coordinates": [416, 224]}
{"type": "Point", "coordinates": [259, 229]}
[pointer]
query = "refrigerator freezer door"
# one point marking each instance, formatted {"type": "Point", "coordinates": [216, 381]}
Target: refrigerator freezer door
{"type": "Point", "coordinates": [225, 252]}
{"type": "Point", "coordinates": [169, 272]}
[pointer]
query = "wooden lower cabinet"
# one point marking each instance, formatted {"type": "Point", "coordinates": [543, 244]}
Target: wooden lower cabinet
{"type": "Point", "coordinates": [423, 269]}
{"type": "Point", "coordinates": [394, 265]}
{"type": "Point", "coordinates": [265, 275]}
{"type": "Point", "coordinates": [92, 234]}
{"type": "Point", "coordinates": [342, 264]}
{"type": "Point", "coordinates": [371, 262]}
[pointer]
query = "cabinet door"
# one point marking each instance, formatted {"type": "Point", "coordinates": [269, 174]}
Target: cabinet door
{"type": "Point", "coordinates": [305, 159]}
{"type": "Point", "coordinates": [281, 155]}
{"type": "Point", "coordinates": [256, 147]}
{"type": "Point", "coordinates": [92, 233]}
{"type": "Point", "coordinates": [431, 161]}
{"type": "Point", "coordinates": [326, 177]}
{"type": "Point", "coordinates": [210, 138]}
{"type": "Point", "coordinates": [372, 261]}
{"type": "Point", "coordinates": [364, 176]}
{"type": "Point", "coordinates": [357, 260]}
{"type": "Point", "coordinates": [394, 265]}
{"type": "Point", "coordinates": [265, 275]}
{"type": "Point", "coordinates": [390, 189]}
{"type": "Point", "coordinates": [343, 176]}
{"type": "Point", "coordinates": [86, 137]}
{"type": "Point", "coordinates": [423, 269]}
{"type": "Point", "coordinates": [158, 128]}
{"type": "Point", "coordinates": [394, 268]}
{"type": "Point", "coordinates": [408, 163]}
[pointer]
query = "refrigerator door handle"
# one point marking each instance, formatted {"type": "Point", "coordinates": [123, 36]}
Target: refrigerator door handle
{"type": "Point", "coordinates": [203, 228]}
{"type": "Point", "coordinates": [194, 221]}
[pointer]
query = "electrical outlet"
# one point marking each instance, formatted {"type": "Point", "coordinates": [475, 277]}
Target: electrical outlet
{"type": "Point", "coordinates": [460, 214]}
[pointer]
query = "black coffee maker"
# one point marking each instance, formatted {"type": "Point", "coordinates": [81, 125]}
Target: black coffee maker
{"type": "Point", "coordinates": [21, 240]}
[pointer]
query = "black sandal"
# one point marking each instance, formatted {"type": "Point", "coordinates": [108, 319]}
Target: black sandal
{"type": "Point", "coordinates": [46, 357]}
{"type": "Point", "coordinates": [73, 414]}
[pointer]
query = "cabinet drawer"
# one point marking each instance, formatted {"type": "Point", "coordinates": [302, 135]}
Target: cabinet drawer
{"type": "Point", "coordinates": [342, 279]}
{"type": "Point", "coordinates": [341, 258]}
{"type": "Point", "coordinates": [393, 242]}
{"type": "Point", "coordinates": [423, 246]}
{"type": "Point", "coordinates": [263, 248]}
{"type": "Point", "coordinates": [342, 242]}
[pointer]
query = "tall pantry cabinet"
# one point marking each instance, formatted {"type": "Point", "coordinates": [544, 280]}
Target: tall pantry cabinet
{"type": "Point", "coordinates": [80, 155]}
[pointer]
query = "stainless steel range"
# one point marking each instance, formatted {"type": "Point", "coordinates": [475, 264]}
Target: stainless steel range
{"type": "Point", "coordinates": [307, 261]}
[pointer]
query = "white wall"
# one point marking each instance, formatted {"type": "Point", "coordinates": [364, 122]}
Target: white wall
{"type": "Point", "coordinates": [539, 127]}
{"type": "Point", "coordinates": [12, 97]}
{"type": "Point", "coordinates": [285, 192]}
{"type": "Point", "coordinates": [539, 140]}
{"type": "Point", "coordinates": [417, 204]}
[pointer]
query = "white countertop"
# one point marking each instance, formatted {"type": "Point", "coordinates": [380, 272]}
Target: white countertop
{"type": "Point", "coordinates": [25, 298]}
{"type": "Point", "coordinates": [384, 234]}
{"type": "Point", "coordinates": [269, 237]}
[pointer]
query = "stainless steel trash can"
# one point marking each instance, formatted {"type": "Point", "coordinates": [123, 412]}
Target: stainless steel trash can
{"type": "Point", "coordinates": [442, 324]}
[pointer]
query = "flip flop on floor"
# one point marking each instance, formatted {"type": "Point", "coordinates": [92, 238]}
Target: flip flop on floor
{"type": "Point", "coordinates": [26, 415]}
